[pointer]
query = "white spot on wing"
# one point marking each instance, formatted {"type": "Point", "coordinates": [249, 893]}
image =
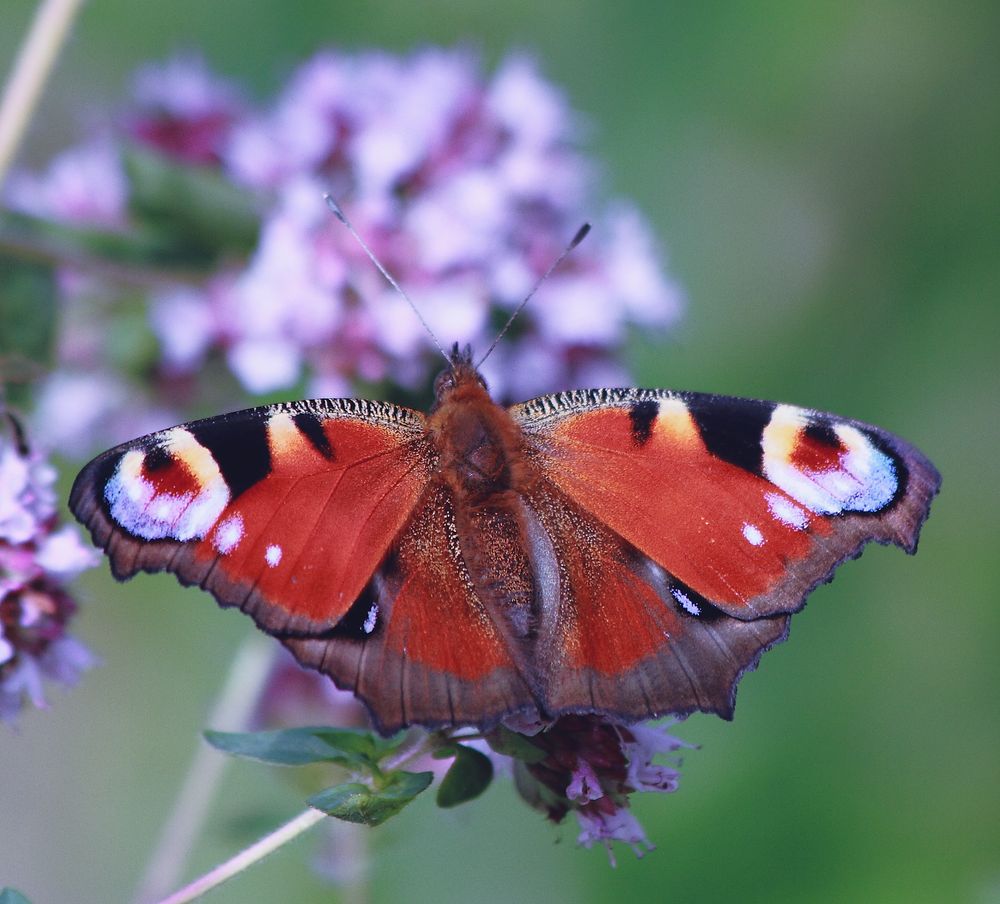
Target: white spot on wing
{"type": "Point", "coordinates": [862, 479]}
{"type": "Point", "coordinates": [686, 602]}
{"type": "Point", "coordinates": [370, 619]}
{"type": "Point", "coordinates": [871, 473]}
{"type": "Point", "coordinates": [137, 505]}
{"type": "Point", "coordinates": [752, 534]}
{"type": "Point", "coordinates": [272, 555]}
{"type": "Point", "coordinates": [787, 511]}
{"type": "Point", "coordinates": [228, 534]}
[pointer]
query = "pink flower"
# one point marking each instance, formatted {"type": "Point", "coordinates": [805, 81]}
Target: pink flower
{"type": "Point", "coordinates": [79, 411]}
{"type": "Point", "coordinates": [466, 189]}
{"type": "Point", "coordinates": [84, 185]}
{"type": "Point", "coordinates": [591, 766]}
{"type": "Point", "coordinates": [605, 825]}
{"type": "Point", "coordinates": [36, 557]}
{"type": "Point", "coordinates": [183, 110]}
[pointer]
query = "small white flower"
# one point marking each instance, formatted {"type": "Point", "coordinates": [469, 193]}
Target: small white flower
{"type": "Point", "coordinates": [183, 86]}
{"type": "Point", "coordinates": [619, 825]}
{"type": "Point", "coordinates": [183, 320]}
{"type": "Point", "coordinates": [63, 553]}
{"type": "Point", "coordinates": [85, 184]}
{"type": "Point", "coordinates": [265, 365]}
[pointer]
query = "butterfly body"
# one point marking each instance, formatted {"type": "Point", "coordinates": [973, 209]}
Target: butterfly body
{"type": "Point", "coordinates": [478, 443]}
{"type": "Point", "coordinates": [625, 552]}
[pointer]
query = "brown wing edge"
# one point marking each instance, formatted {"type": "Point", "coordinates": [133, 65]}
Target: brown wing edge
{"type": "Point", "coordinates": [898, 524]}
{"type": "Point", "coordinates": [339, 662]}
{"type": "Point", "coordinates": [672, 677]}
{"type": "Point", "coordinates": [343, 665]}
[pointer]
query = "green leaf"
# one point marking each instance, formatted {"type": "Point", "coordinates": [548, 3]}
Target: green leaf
{"type": "Point", "coordinates": [12, 896]}
{"type": "Point", "coordinates": [46, 241]}
{"type": "Point", "coordinates": [512, 744]}
{"type": "Point", "coordinates": [27, 309]}
{"type": "Point", "coordinates": [301, 746]}
{"type": "Point", "coordinates": [355, 802]}
{"type": "Point", "coordinates": [468, 777]}
{"type": "Point", "coordinates": [446, 751]}
{"type": "Point", "coordinates": [196, 208]}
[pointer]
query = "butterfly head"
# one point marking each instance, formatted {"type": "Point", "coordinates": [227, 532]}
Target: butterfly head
{"type": "Point", "coordinates": [459, 378]}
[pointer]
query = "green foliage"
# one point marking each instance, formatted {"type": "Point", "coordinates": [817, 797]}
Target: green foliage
{"type": "Point", "coordinates": [27, 313]}
{"type": "Point", "coordinates": [355, 802]}
{"type": "Point", "coordinates": [27, 308]}
{"type": "Point", "coordinates": [12, 896]}
{"type": "Point", "coordinates": [196, 213]}
{"type": "Point", "coordinates": [515, 745]}
{"type": "Point", "coordinates": [469, 776]}
{"type": "Point", "coordinates": [379, 794]}
{"type": "Point", "coordinates": [347, 747]}
{"type": "Point", "coordinates": [36, 239]}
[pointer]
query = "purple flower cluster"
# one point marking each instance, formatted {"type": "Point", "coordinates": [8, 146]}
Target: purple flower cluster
{"type": "Point", "coordinates": [466, 191]}
{"type": "Point", "coordinates": [466, 188]}
{"type": "Point", "coordinates": [37, 556]}
{"type": "Point", "coordinates": [590, 767]}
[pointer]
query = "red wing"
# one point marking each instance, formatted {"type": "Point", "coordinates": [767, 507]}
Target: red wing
{"type": "Point", "coordinates": [420, 646]}
{"type": "Point", "coordinates": [749, 504]}
{"type": "Point", "coordinates": [284, 510]}
{"type": "Point", "coordinates": [614, 638]}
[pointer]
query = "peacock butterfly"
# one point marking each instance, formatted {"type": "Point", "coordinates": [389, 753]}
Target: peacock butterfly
{"type": "Point", "coordinates": [626, 552]}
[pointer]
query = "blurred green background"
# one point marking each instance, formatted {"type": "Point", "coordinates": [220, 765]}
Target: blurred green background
{"type": "Point", "coordinates": [825, 179]}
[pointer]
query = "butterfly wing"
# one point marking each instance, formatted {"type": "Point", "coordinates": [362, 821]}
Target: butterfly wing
{"type": "Point", "coordinates": [614, 640]}
{"type": "Point", "coordinates": [420, 646]}
{"type": "Point", "coordinates": [284, 511]}
{"type": "Point", "coordinates": [686, 527]}
{"type": "Point", "coordinates": [323, 522]}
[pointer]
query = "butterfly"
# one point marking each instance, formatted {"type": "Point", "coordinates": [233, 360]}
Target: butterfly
{"type": "Point", "coordinates": [625, 552]}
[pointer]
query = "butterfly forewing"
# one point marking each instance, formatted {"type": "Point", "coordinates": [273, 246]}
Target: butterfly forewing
{"type": "Point", "coordinates": [748, 504]}
{"type": "Point", "coordinates": [284, 510]}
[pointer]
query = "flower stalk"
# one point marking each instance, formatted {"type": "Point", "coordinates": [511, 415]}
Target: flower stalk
{"type": "Point", "coordinates": [247, 857]}
{"type": "Point", "coordinates": [415, 748]}
{"type": "Point", "coordinates": [31, 70]}
{"type": "Point", "coordinates": [233, 708]}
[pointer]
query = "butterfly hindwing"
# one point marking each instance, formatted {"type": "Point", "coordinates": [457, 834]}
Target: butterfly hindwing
{"type": "Point", "coordinates": [284, 510]}
{"type": "Point", "coordinates": [619, 640]}
{"type": "Point", "coordinates": [749, 504]}
{"type": "Point", "coordinates": [424, 647]}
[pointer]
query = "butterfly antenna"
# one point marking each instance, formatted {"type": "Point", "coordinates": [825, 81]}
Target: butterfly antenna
{"type": "Point", "coordinates": [581, 234]}
{"type": "Point", "coordinates": [340, 215]}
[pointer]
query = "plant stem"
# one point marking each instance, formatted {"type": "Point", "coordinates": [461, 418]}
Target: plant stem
{"type": "Point", "coordinates": [142, 276]}
{"type": "Point", "coordinates": [31, 69]}
{"type": "Point", "coordinates": [420, 744]}
{"type": "Point", "coordinates": [233, 707]}
{"type": "Point", "coordinates": [247, 857]}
